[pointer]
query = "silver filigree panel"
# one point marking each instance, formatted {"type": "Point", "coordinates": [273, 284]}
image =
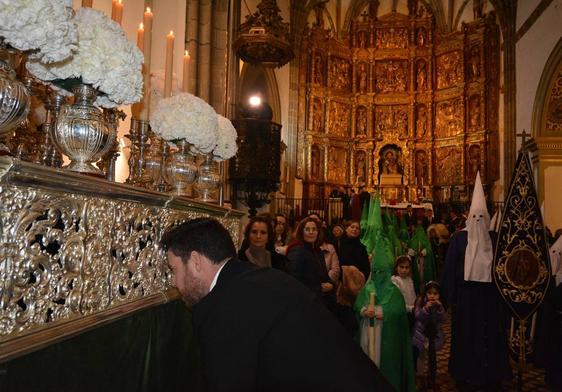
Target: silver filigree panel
{"type": "Point", "coordinates": [65, 255]}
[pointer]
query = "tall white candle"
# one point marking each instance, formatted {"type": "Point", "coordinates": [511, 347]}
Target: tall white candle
{"type": "Point", "coordinates": [169, 67]}
{"type": "Point", "coordinates": [147, 50]}
{"type": "Point", "coordinates": [140, 37]}
{"type": "Point", "coordinates": [117, 11]}
{"type": "Point", "coordinates": [185, 80]}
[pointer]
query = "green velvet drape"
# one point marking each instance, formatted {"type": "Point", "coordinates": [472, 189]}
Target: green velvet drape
{"type": "Point", "coordinates": [152, 350]}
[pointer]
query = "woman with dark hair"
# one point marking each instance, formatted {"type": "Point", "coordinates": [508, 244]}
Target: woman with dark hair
{"type": "Point", "coordinates": [282, 230]}
{"type": "Point", "coordinates": [306, 261]}
{"type": "Point", "coordinates": [352, 251]}
{"type": "Point", "coordinates": [258, 242]}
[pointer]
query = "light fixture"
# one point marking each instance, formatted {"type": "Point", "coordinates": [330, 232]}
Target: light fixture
{"type": "Point", "coordinates": [254, 101]}
{"type": "Point", "coordinates": [264, 38]}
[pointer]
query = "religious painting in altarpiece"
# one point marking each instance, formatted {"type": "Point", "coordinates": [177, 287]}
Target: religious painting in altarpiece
{"type": "Point", "coordinates": [395, 80]}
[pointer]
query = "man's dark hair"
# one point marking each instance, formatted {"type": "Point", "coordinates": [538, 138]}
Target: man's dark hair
{"type": "Point", "coordinates": [203, 235]}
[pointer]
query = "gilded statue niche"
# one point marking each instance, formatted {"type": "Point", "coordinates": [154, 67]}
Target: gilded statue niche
{"type": "Point", "coordinates": [448, 171]}
{"type": "Point", "coordinates": [421, 168]}
{"type": "Point", "coordinates": [421, 75]}
{"type": "Point", "coordinates": [317, 115]}
{"type": "Point", "coordinates": [449, 69]}
{"type": "Point", "coordinates": [339, 119]}
{"type": "Point", "coordinates": [362, 39]}
{"type": "Point", "coordinates": [390, 160]}
{"type": "Point", "coordinates": [337, 164]}
{"type": "Point", "coordinates": [449, 118]}
{"type": "Point", "coordinates": [340, 74]}
{"type": "Point", "coordinates": [473, 69]}
{"type": "Point", "coordinates": [361, 118]}
{"type": "Point", "coordinates": [318, 69]}
{"type": "Point", "coordinates": [473, 162]}
{"type": "Point", "coordinates": [361, 167]}
{"type": "Point", "coordinates": [421, 37]}
{"type": "Point", "coordinates": [392, 76]}
{"type": "Point", "coordinates": [474, 113]}
{"type": "Point", "coordinates": [421, 121]}
{"type": "Point", "coordinates": [362, 78]}
{"type": "Point", "coordinates": [316, 163]}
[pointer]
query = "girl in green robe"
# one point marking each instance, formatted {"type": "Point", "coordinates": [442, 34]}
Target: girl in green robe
{"type": "Point", "coordinates": [395, 344]}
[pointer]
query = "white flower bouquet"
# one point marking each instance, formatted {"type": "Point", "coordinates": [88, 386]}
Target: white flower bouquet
{"type": "Point", "coordinates": [105, 59]}
{"type": "Point", "coordinates": [226, 146]}
{"type": "Point", "coordinates": [44, 27]}
{"type": "Point", "coordinates": [185, 116]}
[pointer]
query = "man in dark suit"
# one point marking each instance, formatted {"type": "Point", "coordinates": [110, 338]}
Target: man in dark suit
{"type": "Point", "coordinates": [258, 328]}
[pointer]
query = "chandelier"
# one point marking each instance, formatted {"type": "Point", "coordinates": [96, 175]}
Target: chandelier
{"type": "Point", "coordinates": [264, 38]}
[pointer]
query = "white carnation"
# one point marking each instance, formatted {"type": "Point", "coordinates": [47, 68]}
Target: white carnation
{"type": "Point", "coordinates": [42, 26]}
{"type": "Point", "coordinates": [185, 116]}
{"type": "Point", "coordinates": [105, 59]}
{"type": "Point", "coordinates": [226, 146]}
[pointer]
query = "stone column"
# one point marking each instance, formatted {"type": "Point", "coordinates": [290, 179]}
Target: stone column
{"type": "Point", "coordinates": [191, 42]}
{"type": "Point", "coordinates": [204, 32]}
{"type": "Point", "coordinates": [219, 57]}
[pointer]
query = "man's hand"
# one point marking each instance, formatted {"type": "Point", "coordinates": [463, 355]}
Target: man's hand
{"type": "Point", "coordinates": [326, 287]}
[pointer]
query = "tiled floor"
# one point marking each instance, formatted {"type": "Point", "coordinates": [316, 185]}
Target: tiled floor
{"type": "Point", "coordinates": [533, 379]}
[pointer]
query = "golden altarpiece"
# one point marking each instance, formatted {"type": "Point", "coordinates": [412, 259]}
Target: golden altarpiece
{"type": "Point", "coordinates": [397, 104]}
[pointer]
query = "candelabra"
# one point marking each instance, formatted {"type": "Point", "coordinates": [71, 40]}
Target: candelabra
{"type": "Point", "coordinates": [138, 135]}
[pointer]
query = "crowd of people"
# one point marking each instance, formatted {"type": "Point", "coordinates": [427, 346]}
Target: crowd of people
{"type": "Point", "coordinates": [335, 262]}
{"type": "Point", "coordinates": [390, 280]}
{"type": "Point", "coordinates": [416, 282]}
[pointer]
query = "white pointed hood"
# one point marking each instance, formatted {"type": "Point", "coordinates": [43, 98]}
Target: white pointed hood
{"type": "Point", "coordinates": [556, 260]}
{"type": "Point", "coordinates": [479, 250]}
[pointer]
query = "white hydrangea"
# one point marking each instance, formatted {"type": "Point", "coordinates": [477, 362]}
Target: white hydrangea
{"type": "Point", "coordinates": [185, 116]}
{"type": "Point", "coordinates": [42, 26]}
{"type": "Point", "coordinates": [226, 146]}
{"type": "Point", "coordinates": [105, 59]}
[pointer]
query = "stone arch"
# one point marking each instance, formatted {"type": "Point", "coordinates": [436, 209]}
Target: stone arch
{"type": "Point", "coordinates": [549, 151]}
{"type": "Point", "coordinates": [552, 69]}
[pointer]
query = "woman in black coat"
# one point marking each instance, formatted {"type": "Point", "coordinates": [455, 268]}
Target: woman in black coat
{"type": "Point", "coordinates": [352, 251]}
{"type": "Point", "coordinates": [306, 261]}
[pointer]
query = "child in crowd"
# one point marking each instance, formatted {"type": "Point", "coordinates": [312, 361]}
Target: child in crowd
{"type": "Point", "coordinates": [402, 278]}
{"type": "Point", "coordinates": [428, 332]}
